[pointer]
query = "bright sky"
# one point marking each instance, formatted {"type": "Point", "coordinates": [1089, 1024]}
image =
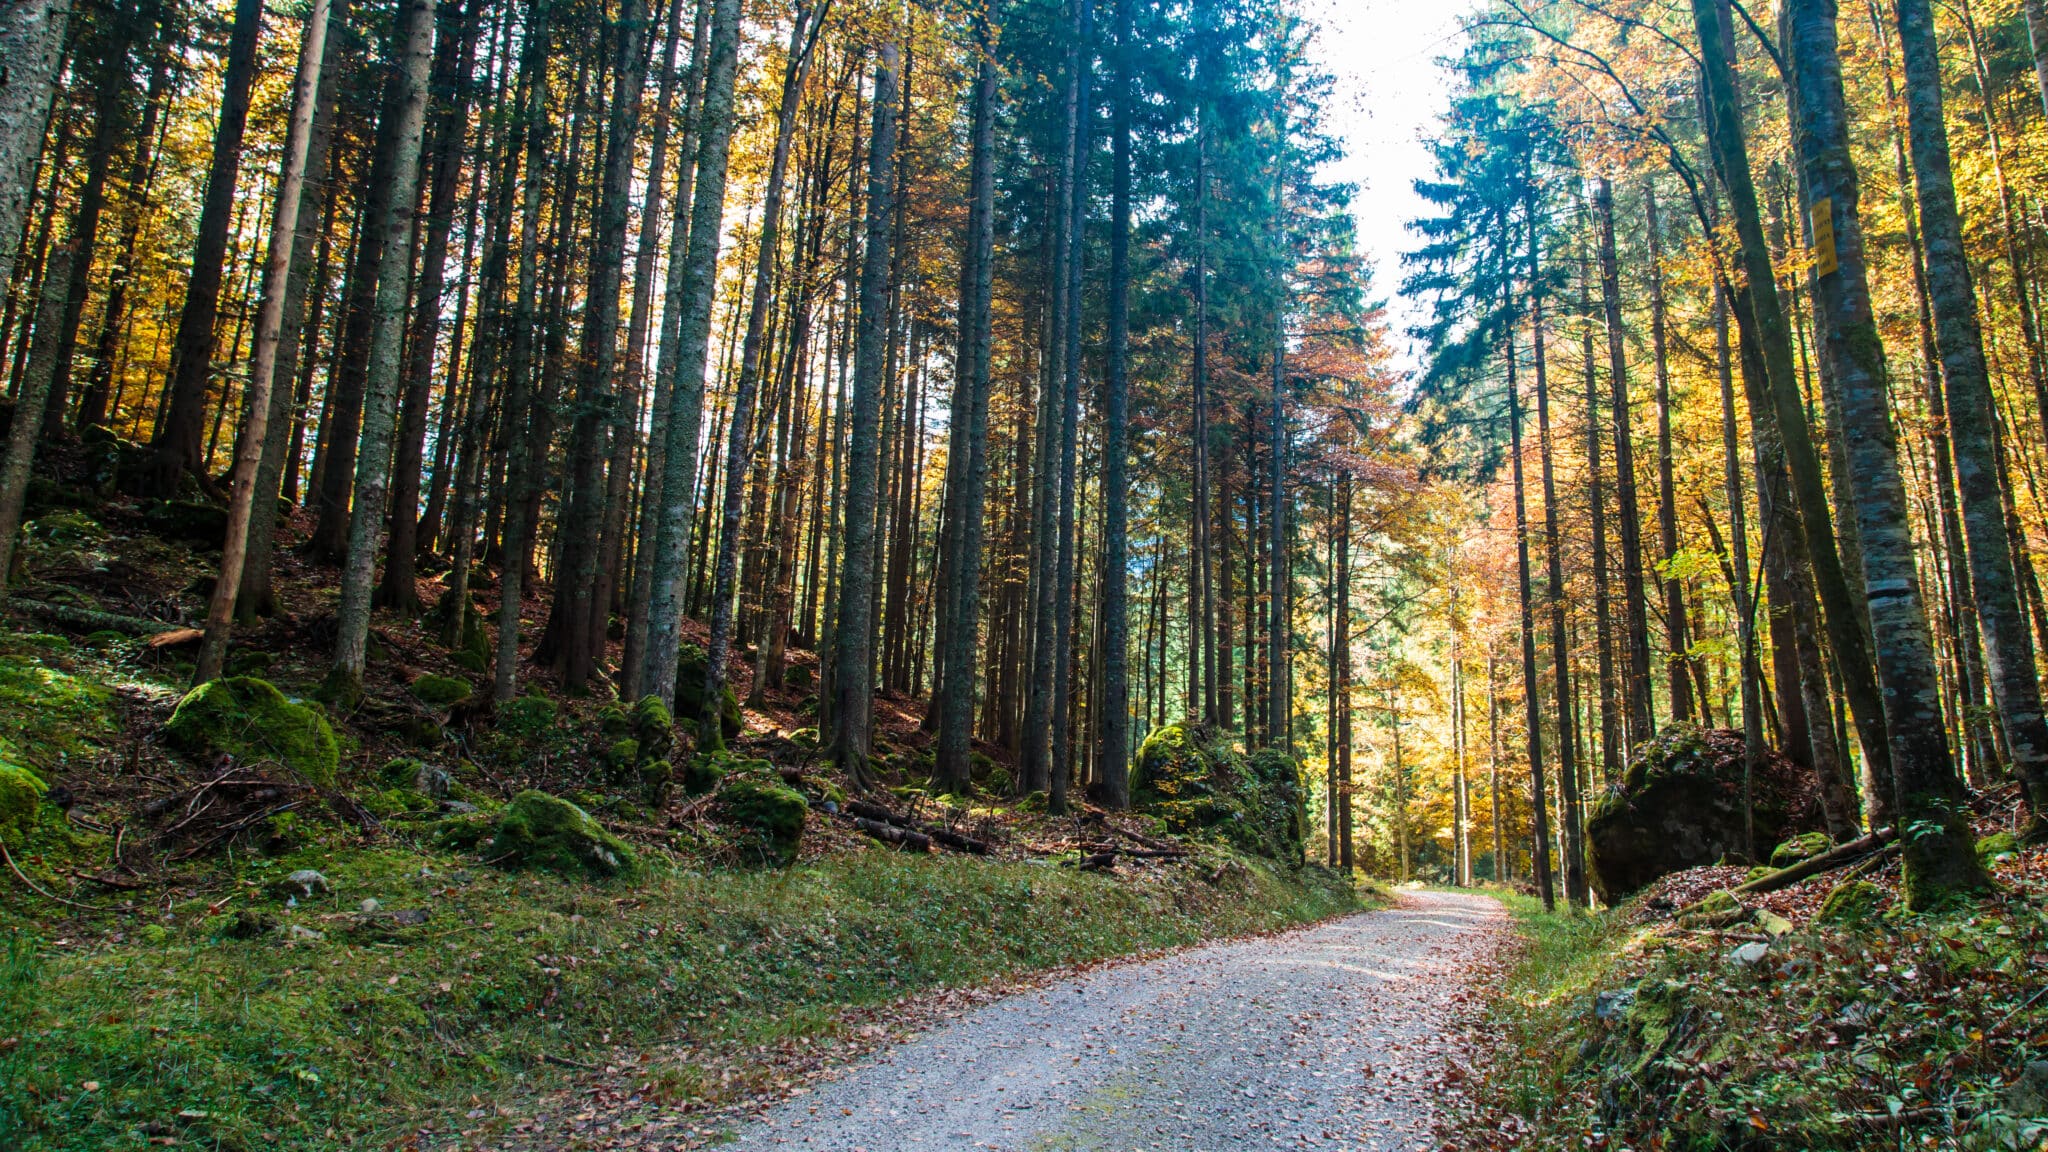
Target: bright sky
{"type": "Point", "coordinates": [1389, 92]}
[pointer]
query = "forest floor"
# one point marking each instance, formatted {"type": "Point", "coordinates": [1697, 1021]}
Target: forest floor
{"type": "Point", "coordinates": [165, 983]}
{"type": "Point", "coordinates": [1785, 1025]}
{"type": "Point", "coordinates": [1341, 1035]}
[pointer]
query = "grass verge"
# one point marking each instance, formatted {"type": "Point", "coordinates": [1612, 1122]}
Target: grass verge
{"type": "Point", "coordinates": [331, 1027]}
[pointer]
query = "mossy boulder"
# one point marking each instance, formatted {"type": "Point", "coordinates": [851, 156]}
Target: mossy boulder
{"type": "Point", "coordinates": [1681, 805]}
{"type": "Point", "coordinates": [1855, 902]}
{"type": "Point", "coordinates": [526, 717]}
{"type": "Point", "coordinates": [1996, 845]}
{"type": "Point", "coordinates": [769, 811]}
{"type": "Point", "coordinates": [691, 667]}
{"type": "Point", "coordinates": [797, 677]}
{"type": "Point", "coordinates": [249, 719]}
{"type": "Point", "coordinates": [1193, 780]}
{"type": "Point", "coordinates": [21, 794]}
{"type": "Point", "coordinates": [441, 691]}
{"type": "Point", "coordinates": [1718, 910]}
{"type": "Point", "coordinates": [622, 758]}
{"type": "Point", "coordinates": [428, 780]}
{"type": "Point", "coordinates": [1804, 846]}
{"type": "Point", "coordinates": [653, 728]}
{"type": "Point", "coordinates": [192, 522]}
{"type": "Point", "coordinates": [537, 830]}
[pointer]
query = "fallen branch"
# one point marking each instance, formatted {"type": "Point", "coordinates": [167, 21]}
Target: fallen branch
{"type": "Point", "coordinates": [1098, 862]}
{"type": "Point", "coordinates": [1837, 857]}
{"type": "Point", "coordinates": [564, 1061]}
{"type": "Point", "coordinates": [19, 875]}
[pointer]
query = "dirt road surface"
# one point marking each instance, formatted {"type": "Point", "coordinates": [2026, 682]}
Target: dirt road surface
{"type": "Point", "coordinates": [1336, 1036]}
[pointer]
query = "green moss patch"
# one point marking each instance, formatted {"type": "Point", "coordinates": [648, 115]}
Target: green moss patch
{"type": "Point", "coordinates": [251, 720]}
{"type": "Point", "coordinates": [440, 691]}
{"type": "Point", "coordinates": [772, 812]}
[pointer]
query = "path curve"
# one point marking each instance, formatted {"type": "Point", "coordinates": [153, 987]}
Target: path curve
{"type": "Point", "coordinates": [1331, 1036]}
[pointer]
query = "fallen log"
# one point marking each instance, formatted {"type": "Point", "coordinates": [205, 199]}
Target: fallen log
{"type": "Point", "coordinates": [1098, 862]}
{"type": "Point", "coordinates": [1139, 853]}
{"type": "Point", "coordinates": [92, 620]}
{"type": "Point", "coordinates": [939, 833]}
{"type": "Point", "coordinates": [903, 838]}
{"type": "Point", "coordinates": [1840, 856]}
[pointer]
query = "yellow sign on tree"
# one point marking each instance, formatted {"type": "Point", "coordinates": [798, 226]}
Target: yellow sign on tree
{"type": "Point", "coordinates": [1821, 219]}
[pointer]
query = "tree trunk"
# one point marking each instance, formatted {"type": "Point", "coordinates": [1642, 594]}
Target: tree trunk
{"type": "Point", "coordinates": [344, 682]}
{"type": "Point", "coordinates": [28, 405]}
{"type": "Point", "coordinates": [454, 57]}
{"type": "Point", "coordinates": [32, 34]}
{"type": "Point", "coordinates": [959, 623]}
{"type": "Point", "coordinates": [1681, 665]}
{"type": "Point", "coordinates": [284, 227]}
{"type": "Point", "coordinates": [854, 676]}
{"type": "Point", "coordinates": [1759, 310]}
{"type": "Point", "coordinates": [2008, 650]}
{"type": "Point", "coordinates": [177, 448]}
{"type": "Point", "coordinates": [739, 450]}
{"type": "Point", "coordinates": [1112, 787]}
{"type": "Point", "coordinates": [1532, 700]}
{"type": "Point", "coordinates": [1929, 793]}
{"type": "Point", "coordinates": [1560, 636]}
{"type": "Point", "coordinates": [1635, 606]}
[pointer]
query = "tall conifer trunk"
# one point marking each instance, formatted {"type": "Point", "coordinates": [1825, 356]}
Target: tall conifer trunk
{"type": "Point", "coordinates": [1938, 850]}
{"type": "Point", "coordinates": [1972, 412]}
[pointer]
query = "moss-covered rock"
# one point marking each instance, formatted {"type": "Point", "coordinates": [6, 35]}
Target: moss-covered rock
{"type": "Point", "coordinates": [653, 728]}
{"type": "Point", "coordinates": [193, 522]}
{"type": "Point", "coordinates": [441, 691]}
{"type": "Point", "coordinates": [21, 794]}
{"type": "Point", "coordinates": [772, 812]}
{"type": "Point", "coordinates": [251, 720]}
{"type": "Point", "coordinates": [691, 667]}
{"type": "Point", "coordinates": [621, 758]}
{"type": "Point", "coordinates": [428, 780]}
{"type": "Point", "coordinates": [1681, 805]}
{"type": "Point", "coordinates": [1804, 846]}
{"type": "Point", "coordinates": [1852, 903]}
{"type": "Point", "coordinates": [797, 677]}
{"type": "Point", "coordinates": [541, 831]}
{"type": "Point", "coordinates": [1997, 844]}
{"type": "Point", "coordinates": [1718, 910]}
{"type": "Point", "coordinates": [1198, 784]}
{"type": "Point", "coordinates": [655, 777]}
{"type": "Point", "coordinates": [526, 717]}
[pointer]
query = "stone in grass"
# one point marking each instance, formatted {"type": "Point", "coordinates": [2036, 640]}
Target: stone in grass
{"type": "Point", "coordinates": [1749, 953]}
{"type": "Point", "coordinates": [441, 691]}
{"type": "Point", "coordinates": [772, 811]}
{"type": "Point", "coordinates": [304, 882]}
{"type": "Point", "coordinates": [1852, 903]}
{"type": "Point", "coordinates": [542, 831]}
{"type": "Point", "coordinates": [249, 719]}
{"type": "Point", "coordinates": [21, 794]}
{"type": "Point", "coordinates": [1804, 846]}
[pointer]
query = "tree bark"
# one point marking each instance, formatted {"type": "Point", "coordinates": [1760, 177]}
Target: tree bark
{"type": "Point", "coordinates": [387, 338]}
{"type": "Point", "coordinates": [854, 674]}
{"type": "Point", "coordinates": [2008, 649]}
{"type": "Point", "coordinates": [1940, 855]}
{"type": "Point", "coordinates": [284, 227]}
{"type": "Point", "coordinates": [177, 448]}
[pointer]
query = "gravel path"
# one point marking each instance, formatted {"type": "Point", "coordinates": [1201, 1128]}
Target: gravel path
{"type": "Point", "coordinates": [1332, 1036]}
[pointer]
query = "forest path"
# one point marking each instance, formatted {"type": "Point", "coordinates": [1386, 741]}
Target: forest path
{"type": "Point", "coordinates": [1338, 1035]}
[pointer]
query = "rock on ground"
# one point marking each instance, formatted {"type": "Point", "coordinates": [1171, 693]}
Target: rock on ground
{"type": "Point", "coordinates": [1335, 1036]}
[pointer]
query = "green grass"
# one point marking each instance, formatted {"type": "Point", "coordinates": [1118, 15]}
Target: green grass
{"type": "Point", "coordinates": [167, 1025]}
